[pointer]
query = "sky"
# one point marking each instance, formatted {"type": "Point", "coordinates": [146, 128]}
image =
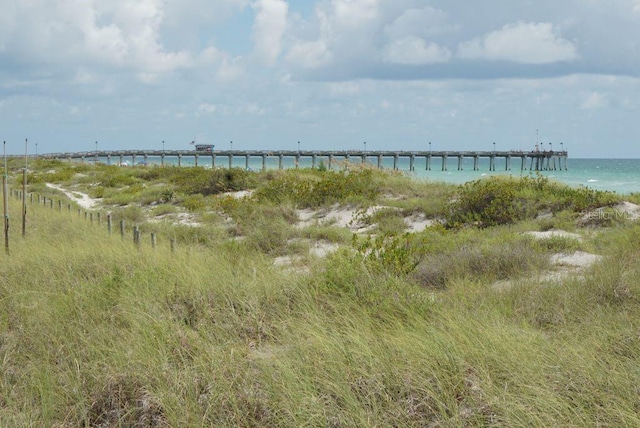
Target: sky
{"type": "Point", "coordinates": [330, 74]}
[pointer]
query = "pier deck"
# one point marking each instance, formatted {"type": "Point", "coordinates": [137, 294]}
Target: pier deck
{"type": "Point", "coordinates": [531, 160]}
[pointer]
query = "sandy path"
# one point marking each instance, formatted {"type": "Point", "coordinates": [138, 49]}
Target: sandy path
{"type": "Point", "coordinates": [79, 198]}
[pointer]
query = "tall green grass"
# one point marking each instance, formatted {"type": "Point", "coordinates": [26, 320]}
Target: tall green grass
{"type": "Point", "coordinates": [97, 332]}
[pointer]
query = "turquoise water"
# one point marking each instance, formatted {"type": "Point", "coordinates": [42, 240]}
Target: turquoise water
{"type": "Point", "coordinates": [619, 175]}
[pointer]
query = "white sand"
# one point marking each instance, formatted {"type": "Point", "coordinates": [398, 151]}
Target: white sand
{"type": "Point", "coordinates": [239, 195]}
{"type": "Point", "coordinates": [631, 210]}
{"type": "Point", "coordinates": [576, 260]}
{"type": "Point", "coordinates": [79, 198]}
{"type": "Point", "coordinates": [351, 218]}
{"type": "Point", "coordinates": [553, 234]}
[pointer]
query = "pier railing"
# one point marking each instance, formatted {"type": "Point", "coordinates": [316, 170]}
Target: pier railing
{"type": "Point", "coordinates": [531, 160]}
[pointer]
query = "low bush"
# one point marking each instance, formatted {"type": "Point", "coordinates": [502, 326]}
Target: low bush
{"type": "Point", "coordinates": [498, 200]}
{"type": "Point", "coordinates": [488, 260]}
{"type": "Point", "coordinates": [390, 254]}
{"type": "Point", "coordinates": [314, 188]}
{"type": "Point", "coordinates": [194, 202]}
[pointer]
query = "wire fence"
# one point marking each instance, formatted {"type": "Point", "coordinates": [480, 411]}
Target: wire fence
{"type": "Point", "coordinates": [99, 218]}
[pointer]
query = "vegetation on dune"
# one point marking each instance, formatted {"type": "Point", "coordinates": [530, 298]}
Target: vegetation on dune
{"type": "Point", "coordinates": [392, 329]}
{"type": "Point", "coordinates": [498, 200]}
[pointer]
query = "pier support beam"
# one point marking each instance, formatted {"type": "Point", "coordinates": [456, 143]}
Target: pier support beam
{"type": "Point", "coordinates": [379, 161]}
{"type": "Point", "coordinates": [444, 162]}
{"type": "Point", "coordinates": [429, 162]}
{"type": "Point", "coordinates": [395, 162]}
{"type": "Point", "coordinates": [246, 162]}
{"type": "Point", "coordinates": [412, 160]}
{"type": "Point", "coordinates": [264, 163]}
{"type": "Point", "coordinates": [460, 163]}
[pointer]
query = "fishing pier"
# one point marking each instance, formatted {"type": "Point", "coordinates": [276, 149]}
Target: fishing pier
{"type": "Point", "coordinates": [531, 160]}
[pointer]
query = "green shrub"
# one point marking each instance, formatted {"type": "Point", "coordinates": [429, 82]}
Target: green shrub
{"type": "Point", "coordinates": [167, 195]}
{"type": "Point", "coordinates": [117, 177]}
{"type": "Point", "coordinates": [205, 181]}
{"type": "Point", "coordinates": [497, 200]}
{"type": "Point", "coordinates": [393, 254]}
{"type": "Point", "coordinates": [485, 203]}
{"type": "Point", "coordinates": [314, 188]}
{"type": "Point", "coordinates": [131, 214]}
{"type": "Point", "coordinates": [97, 192]}
{"type": "Point", "coordinates": [194, 202]}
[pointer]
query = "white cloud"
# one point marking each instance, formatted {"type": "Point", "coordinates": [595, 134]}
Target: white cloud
{"type": "Point", "coordinates": [422, 22]}
{"type": "Point", "coordinates": [354, 13]}
{"type": "Point", "coordinates": [414, 50]}
{"type": "Point", "coordinates": [527, 43]}
{"type": "Point", "coordinates": [268, 29]}
{"type": "Point", "coordinates": [121, 34]}
{"type": "Point", "coordinates": [309, 54]}
{"type": "Point", "coordinates": [593, 101]}
{"type": "Point", "coordinates": [207, 108]}
{"type": "Point", "coordinates": [341, 31]}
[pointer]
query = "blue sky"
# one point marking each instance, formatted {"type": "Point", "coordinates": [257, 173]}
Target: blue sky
{"type": "Point", "coordinates": [331, 74]}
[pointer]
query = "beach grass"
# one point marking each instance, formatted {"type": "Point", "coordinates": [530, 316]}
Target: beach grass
{"type": "Point", "coordinates": [392, 329]}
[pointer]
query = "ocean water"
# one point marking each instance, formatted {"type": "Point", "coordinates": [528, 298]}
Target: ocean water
{"type": "Point", "coordinates": [618, 175]}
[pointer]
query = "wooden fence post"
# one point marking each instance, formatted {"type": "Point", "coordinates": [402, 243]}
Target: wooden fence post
{"type": "Point", "coordinates": [136, 235]}
{"type": "Point", "coordinates": [122, 228]}
{"type": "Point", "coordinates": [153, 240]}
{"type": "Point", "coordinates": [109, 223]}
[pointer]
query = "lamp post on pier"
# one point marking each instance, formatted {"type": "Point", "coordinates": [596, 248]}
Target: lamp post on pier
{"type": "Point", "coordinates": [494, 147]}
{"type": "Point", "coordinates": [365, 147]}
{"type": "Point", "coordinates": [96, 157]}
